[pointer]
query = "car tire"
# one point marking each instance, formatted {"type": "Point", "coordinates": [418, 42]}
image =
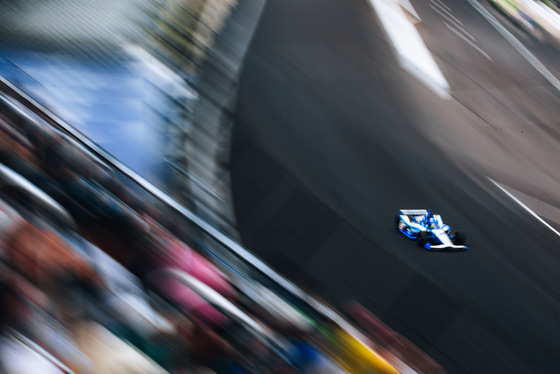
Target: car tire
{"type": "Point", "coordinates": [459, 238]}
{"type": "Point", "coordinates": [422, 238]}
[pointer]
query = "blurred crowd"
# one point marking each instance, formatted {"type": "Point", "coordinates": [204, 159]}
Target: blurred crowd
{"type": "Point", "coordinates": [92, 280]}
{"type": "Point", "coordinates": [92, 283]}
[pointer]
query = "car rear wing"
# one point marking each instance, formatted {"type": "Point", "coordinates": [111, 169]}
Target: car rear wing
{"type": "Point", "coordinates": [413, 212]}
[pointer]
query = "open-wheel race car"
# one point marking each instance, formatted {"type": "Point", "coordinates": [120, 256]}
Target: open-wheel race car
{"type": "Point", "coordinates": [429, 230]}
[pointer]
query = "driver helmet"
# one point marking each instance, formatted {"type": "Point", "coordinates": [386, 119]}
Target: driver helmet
{"type": "Point", "coordinates": [431, 222]}
{"type": "Point", "coordinates": [429, 215]}
{"type": "Point", "coordinates": [429, 219]}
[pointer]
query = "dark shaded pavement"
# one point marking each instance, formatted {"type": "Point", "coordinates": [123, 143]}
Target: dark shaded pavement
{"type": "Point", "coordinates": [333, 138]}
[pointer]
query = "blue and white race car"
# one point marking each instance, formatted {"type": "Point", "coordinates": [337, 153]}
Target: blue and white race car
{"type": "Point", "coordinates": [428, 230]}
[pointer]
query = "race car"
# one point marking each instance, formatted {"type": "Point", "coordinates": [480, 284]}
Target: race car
{"type": "Point", "coordinates": [428, 230]}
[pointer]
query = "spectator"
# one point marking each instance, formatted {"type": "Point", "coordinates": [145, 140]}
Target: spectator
{"type": "Point", "coordinates": [15, 356]}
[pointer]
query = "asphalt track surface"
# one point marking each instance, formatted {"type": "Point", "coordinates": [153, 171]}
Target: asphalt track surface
{"type": "Point", "coordinates": [332, 137]}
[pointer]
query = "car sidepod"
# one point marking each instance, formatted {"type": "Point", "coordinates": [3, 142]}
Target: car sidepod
{"type": "Point", "coordinates": [408, 227]}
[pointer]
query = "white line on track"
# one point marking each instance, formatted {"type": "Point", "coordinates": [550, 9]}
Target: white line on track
{"type": "Point", "coordinates": [456, 23]}
{"type": "Point", "coordinates": [468, 41]}
{"type": "Point", "coordinates": [464, 32]}
{"type": "Point", "coordinates": [439, 2]}
{"type": "Point", "coordinates": [517, 45]}
{"type": "Point", "coordinates": [447, 11]}
{"type": "Point", "coordinates": [525, 207]}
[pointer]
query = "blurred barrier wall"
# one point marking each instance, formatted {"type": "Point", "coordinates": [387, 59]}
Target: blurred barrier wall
{"type": "Point", "coordinates": [197, 48]}
{"type": "Point", "coordinates": [217, 42]}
